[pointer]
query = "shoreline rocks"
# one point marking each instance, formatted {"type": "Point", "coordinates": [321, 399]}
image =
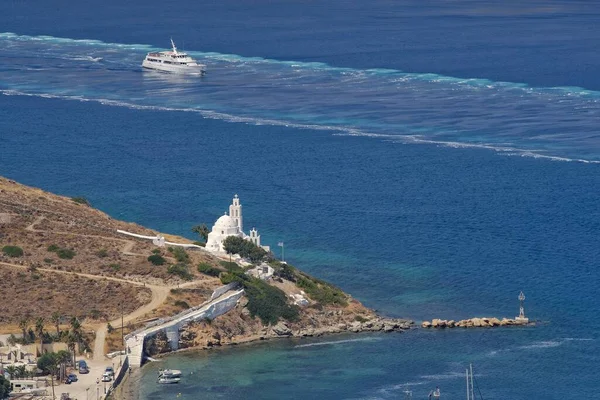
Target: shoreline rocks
{"type": "Point", "coordinates": [484, 322]}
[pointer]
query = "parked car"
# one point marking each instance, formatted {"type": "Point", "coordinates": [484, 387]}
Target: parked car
{"type": "Point", "coordinates": [106, 377]}
{"type": "Point", "coordinates": [72, 377]}
{"type": "Point", "coordinates": [67, 381]}
{"type": "Point", "coordinates": [111, 371]}
{"type": "Point", "coordinates": [83, 370]}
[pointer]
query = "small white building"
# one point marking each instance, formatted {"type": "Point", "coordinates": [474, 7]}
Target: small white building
{"type": "Point", "coordinates": [263, 271]}
{"type": "Point", "coordinates": [230, 225]}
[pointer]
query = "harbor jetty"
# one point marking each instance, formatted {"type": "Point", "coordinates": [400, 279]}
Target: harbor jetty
{"type": "Point", "coordinates": [484, 322]}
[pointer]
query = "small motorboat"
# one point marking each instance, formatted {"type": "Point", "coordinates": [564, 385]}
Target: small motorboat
{"type": "Point", "coordinates": [169, 373]}
{"type": "Point", "coordinates": [167, 380]}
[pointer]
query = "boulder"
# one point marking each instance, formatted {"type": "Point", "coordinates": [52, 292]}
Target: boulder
{"type": "Point", "coordinates": [426, 324]}
{"type": "Point", "coordinates": [355, 326]}
{"type": "Point", "coordinates": [281, 329]}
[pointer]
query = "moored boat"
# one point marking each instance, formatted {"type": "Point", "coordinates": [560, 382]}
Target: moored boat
{"type": "Point", "coordinates": [168, 380]}
{"type": "Point", "coordinates": [169, 373]}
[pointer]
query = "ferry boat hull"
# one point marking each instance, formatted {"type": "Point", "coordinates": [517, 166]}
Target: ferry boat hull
{"type": "Point", "coordinates": [173, 61]}
{"type": "Point", "coordinates": [198, 69]}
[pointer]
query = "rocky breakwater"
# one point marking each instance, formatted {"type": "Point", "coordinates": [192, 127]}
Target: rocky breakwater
{"type": "Point", "coordinates": [473, 323]}
{"type": "Point", "coordinates": [377, 324]}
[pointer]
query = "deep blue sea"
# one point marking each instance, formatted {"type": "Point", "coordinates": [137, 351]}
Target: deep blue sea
{"type": "Point", "coordinates": [430, 158]}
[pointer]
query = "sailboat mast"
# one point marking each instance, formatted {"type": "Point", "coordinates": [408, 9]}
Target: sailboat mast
{"type": "Point", "coordinates": [468, 388]}
{"type": "Point", "coordinates": [472, 391]}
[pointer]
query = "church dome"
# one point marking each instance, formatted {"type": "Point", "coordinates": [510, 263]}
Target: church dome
{"type": "Point", "coordinates": [225, 222]}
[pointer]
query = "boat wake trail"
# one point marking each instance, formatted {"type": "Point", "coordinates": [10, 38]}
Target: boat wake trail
{"type": "Point", "coordinates": [335, 342]}
{"type": "Point", "coordinates": [557, 123]}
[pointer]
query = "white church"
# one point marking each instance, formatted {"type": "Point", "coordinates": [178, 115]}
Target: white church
{"type": "Point", "coordinates": [230, 225]}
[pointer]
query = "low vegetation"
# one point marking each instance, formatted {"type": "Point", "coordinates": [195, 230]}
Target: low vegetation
{"type": "Point", "coordinates": [318, 290]}
{"type": "Point", "coordinates": [81, 200]}
{"type": "Point", "coordinates": [245, 248]}
{"type": "Point", "coordinates": [180, 270]}
{"type": "Point", "coordinates": [12, 251]}
{"type": "Point", "coordinates": [267, 302]}
{"type": "Point", "coordinates": [65, 254]}
{"type": "Point", "coordinates": [180, 254]}
{"type": "Point", "coordinates": [208, 269]}
{"type": "Point", "coordinates": [157, 259]}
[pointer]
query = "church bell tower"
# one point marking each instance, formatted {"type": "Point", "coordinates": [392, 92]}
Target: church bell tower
{"type": "Point", "coordinates": [235, 212]}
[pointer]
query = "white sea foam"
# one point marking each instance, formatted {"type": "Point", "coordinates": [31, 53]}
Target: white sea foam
{"type": "Point", "coordinates": [335, 342]}
{"type": "Point", "coordinates": [542, 345]}
{"type": "Point", "coordinates": [234, 58]}
{"type": "Point", "coordinates": [448, 375]}
{"type": "Point", "coordinates": [336, 130]}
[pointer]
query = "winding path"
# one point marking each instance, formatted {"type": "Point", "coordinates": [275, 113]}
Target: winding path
{"type": "Point", "coordinates": [159, 295]}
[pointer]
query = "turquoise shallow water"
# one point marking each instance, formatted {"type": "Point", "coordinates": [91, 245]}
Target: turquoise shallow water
{"type": "Point", "coordinates": [415, 156]}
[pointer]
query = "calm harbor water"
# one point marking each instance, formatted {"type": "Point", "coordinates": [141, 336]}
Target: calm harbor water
{"type": "Point", "coordinates": [432, 161]}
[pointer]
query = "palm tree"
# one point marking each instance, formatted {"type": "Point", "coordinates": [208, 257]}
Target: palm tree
{"type": "Point", "coordinates": [23, 325]}
{"type": "Point", "coordinates": [77, 333]}
{"type": "Point", "coordinates": [21, 371]}
{"type": "Point", "coordinates": [11, 370]}
{"type": "Point", "coordinates": [55, 318]}
{"type": "Point", "coordinates": [39, 331]}
{"type": "Point", "coordinates": [202, 231]}
{"type": "Point", "coordinates": [71, 340]}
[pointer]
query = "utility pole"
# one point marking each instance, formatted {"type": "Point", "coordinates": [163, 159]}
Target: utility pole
{"type": "Point", "coordinates": [122, 331]}
{"type": "Point", "coordinates": [52, 381]}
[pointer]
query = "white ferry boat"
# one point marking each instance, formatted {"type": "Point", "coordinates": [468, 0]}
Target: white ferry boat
{"type": "Point", "coordinates": [173, 61]}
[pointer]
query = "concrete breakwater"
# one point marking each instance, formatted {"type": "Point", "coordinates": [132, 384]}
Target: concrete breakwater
{"type": "Point", "coordinates": [484, 322]}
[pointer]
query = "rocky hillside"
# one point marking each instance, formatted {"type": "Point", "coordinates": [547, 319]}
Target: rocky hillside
{"type": "Point", "coordinates": [60, 254]}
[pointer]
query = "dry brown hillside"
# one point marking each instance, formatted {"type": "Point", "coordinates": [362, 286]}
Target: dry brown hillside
{"type": "Point", "coordinates": [50, 229]}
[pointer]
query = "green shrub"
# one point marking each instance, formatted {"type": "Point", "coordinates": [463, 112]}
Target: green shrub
{"type": "Point", "coordinates": [284, 271]}
{"type": "Point", "coordinates": [201, 244]}
{"type": "Point", "coordinates": [182, 304]}
{"type": "Point", "coordinates": [115, 267]}
{"type": "Point", "coordinates": [53, 248]}
{"type": "Point", "coordinates": [66, 254]}
{"type": "Point", "coordinates": [156, 259]}
{"type": "Point", "coordinates": [102, 253]}
{"type": "Point", "coordinates": [267, 302]}
{"type": "Point", "coordinates": [245, 248]}
{"type": "Point", "coordinates": [180, 255]}
{"type": "Point", "coordinates": [209, 270]}
{"type": "Point", "coordinates": [12, 251]}
{"type": "Point", "coordinates": [360, 318]}
{"type": "Point", "coordinates": [231, 266]}
{"type": "Point", "coordinates": [180, 270]}
{"type": "Point", "coordinates": [80, 200]}
{"type": "Point", "coordinates": [321, 291]}
{"type": "Point", "coordinates": [156, 251]}
{"type": "Point", "coordinates": [48, 260]}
